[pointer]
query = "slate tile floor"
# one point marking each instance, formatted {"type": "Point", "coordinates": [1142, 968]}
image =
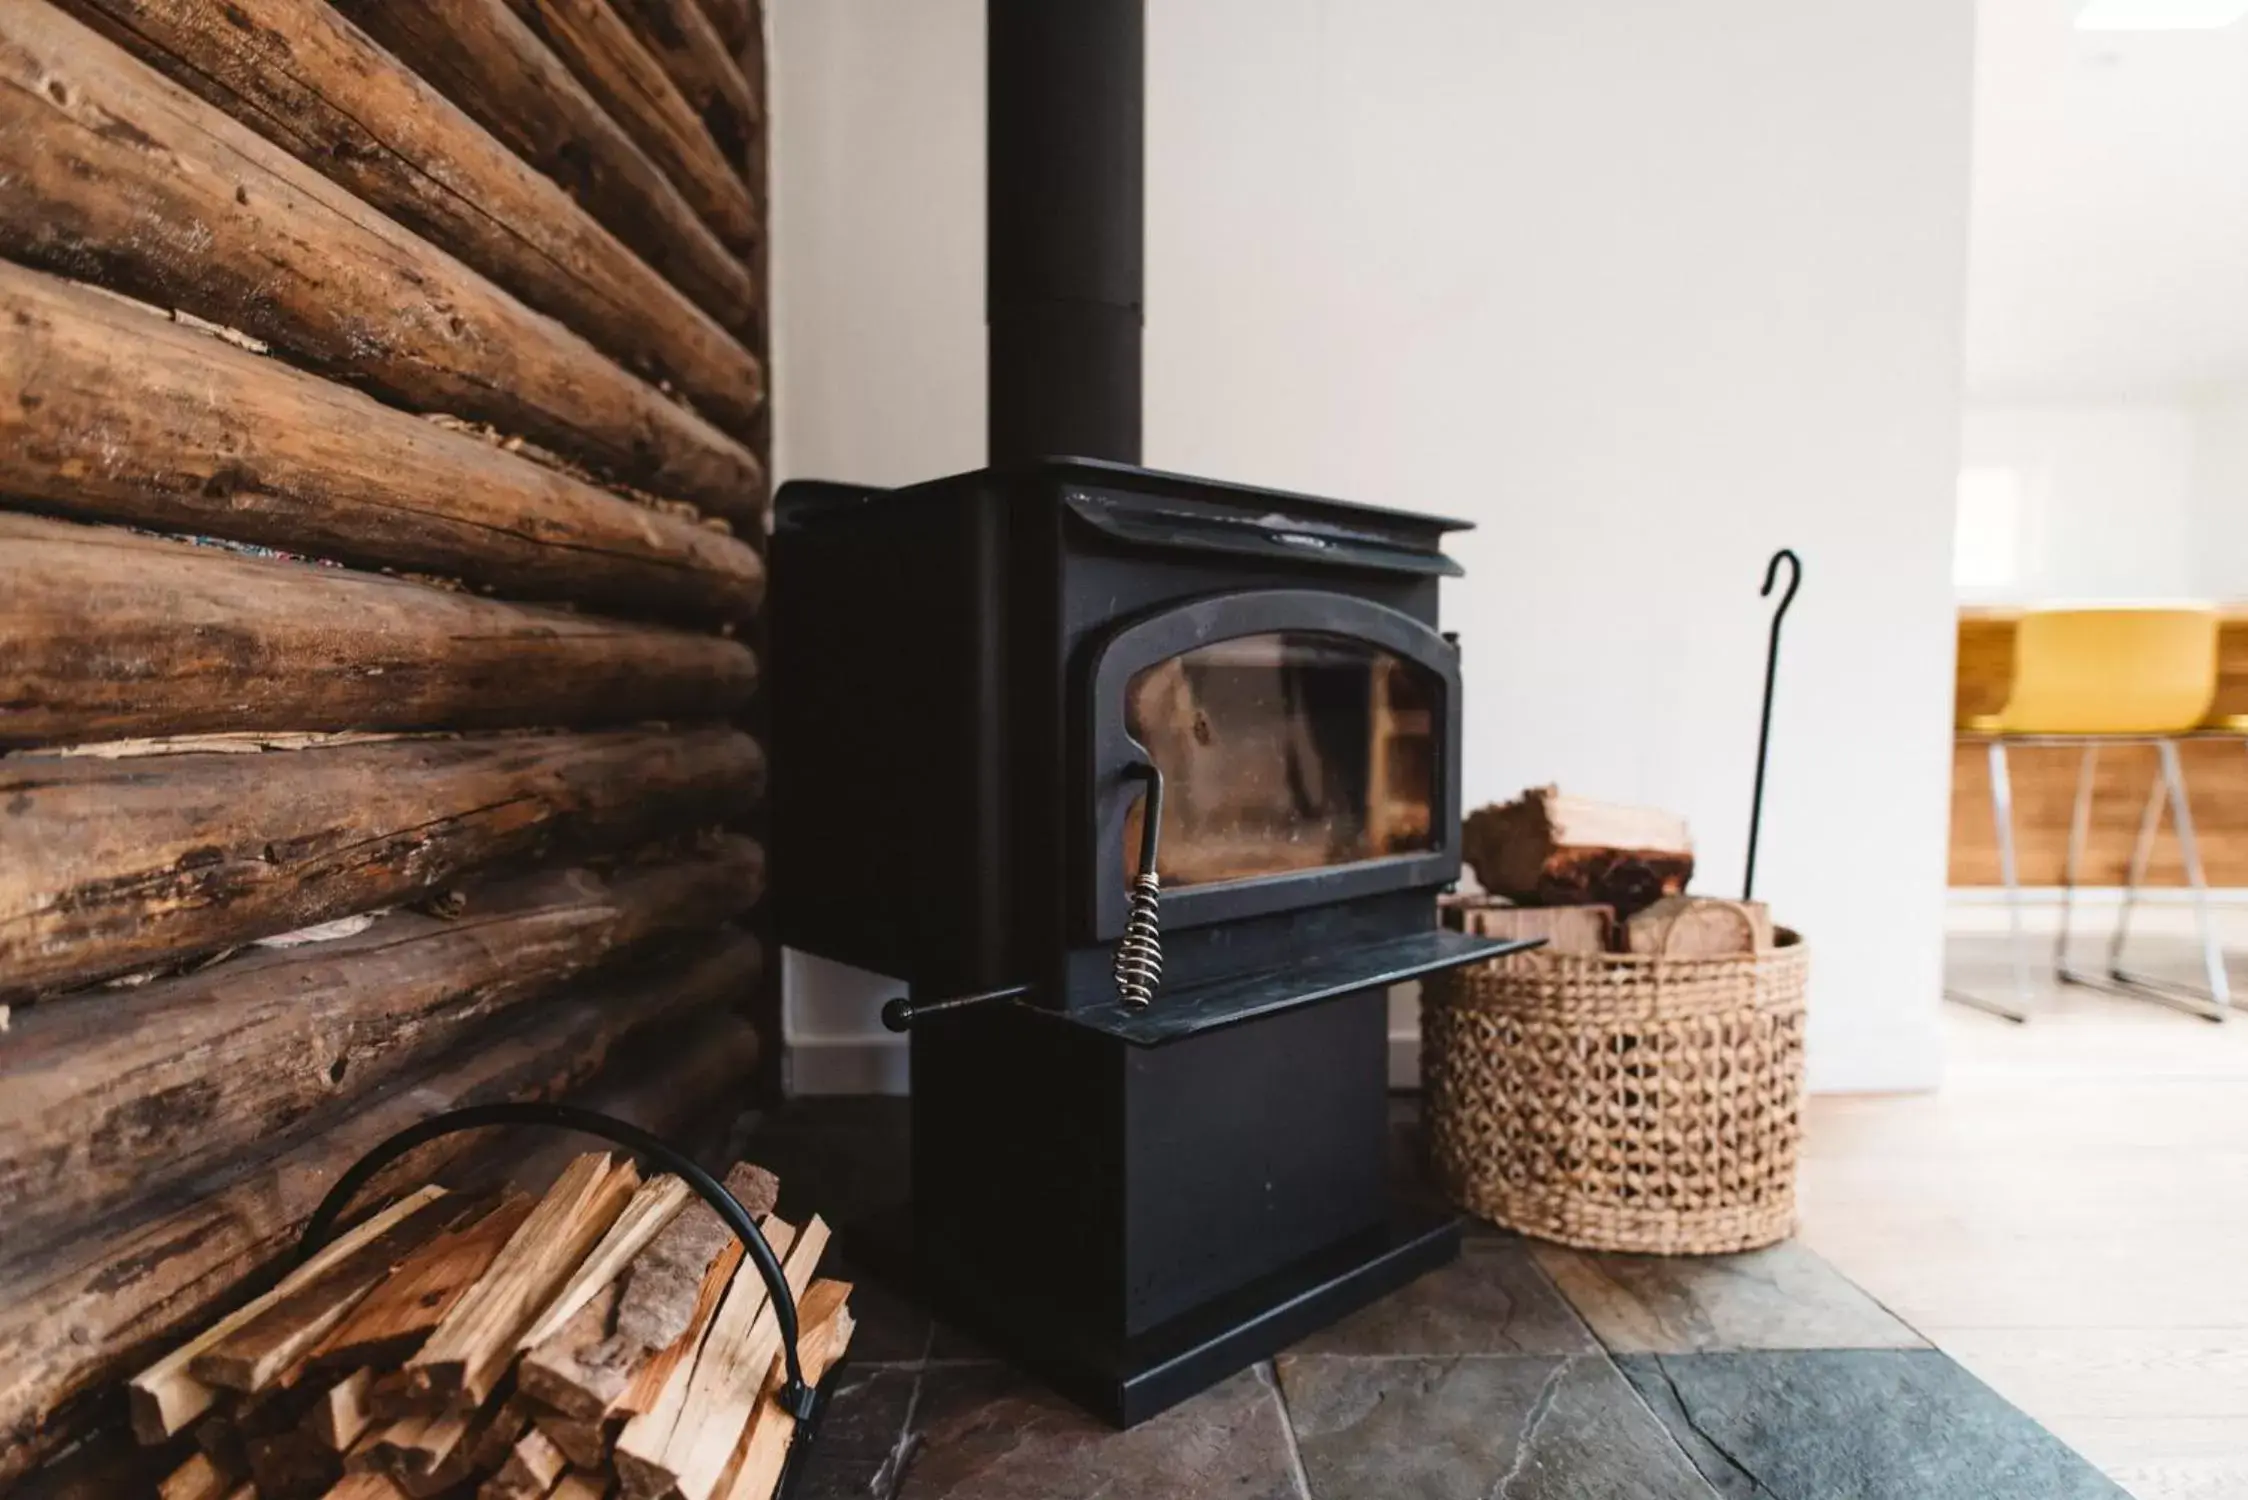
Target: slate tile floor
{"type": "Point", "coordinates": [1523, 1372]}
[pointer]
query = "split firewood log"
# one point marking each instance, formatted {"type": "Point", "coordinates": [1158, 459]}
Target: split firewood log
{"type": "Point", "coordinates": [466, 1354]}
{"type": "Point", "coordinates": [827, 1327]}
{"type": "Point", "coordinates": [1700, 927]}
{"type": "Point", "coordinates": [1565, 929]}
{"type": "Point", "coordinates": [584, 1368]}
{"type": "Point", "coordinates": [1548, 849]}
{"type": "Point", "coordinates": [607, 1338]}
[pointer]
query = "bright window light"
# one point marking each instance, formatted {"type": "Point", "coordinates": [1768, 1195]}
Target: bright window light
{"type": "Point", "coordinates": [1987, 549]}
{"type": "Point", "coordinates": [2158, 15]}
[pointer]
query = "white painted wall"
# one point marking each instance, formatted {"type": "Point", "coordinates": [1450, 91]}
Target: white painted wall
{"type": "Point", "coordinates": [1646, 290]}
{"type": "Point", "coordinates": [2109, 221]}
{"type": "Point", "coordinates": [2141, 501]}
{"type": "Point", "coordinates": [878, 236]}
{"type": "Point", "coordinates": [2220, 493]}
{"type": "Point", "coordinates": [2108, 504]}
{"type": "Point", "coordinates": [2107, 328]}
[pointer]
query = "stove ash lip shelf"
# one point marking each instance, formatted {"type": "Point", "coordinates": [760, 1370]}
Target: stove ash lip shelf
{"type": "Point", "coordinates": [1231, 1001]}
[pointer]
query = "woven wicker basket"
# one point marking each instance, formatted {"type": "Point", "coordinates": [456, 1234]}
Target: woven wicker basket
{"type": "Point", "coordinates": [1620, 1101]}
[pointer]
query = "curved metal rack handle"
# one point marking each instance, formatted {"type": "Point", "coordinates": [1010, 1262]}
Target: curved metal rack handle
{"type": "Point", "coordinates": [795, 1396]}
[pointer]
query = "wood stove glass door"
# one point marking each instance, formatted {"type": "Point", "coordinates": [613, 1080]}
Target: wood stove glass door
{"type": "Point", "coordinates": [1307, 742]}
{"type": "Point", "coordinates": [1282, 752]}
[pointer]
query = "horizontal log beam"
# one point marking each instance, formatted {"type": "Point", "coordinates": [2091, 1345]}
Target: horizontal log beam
{"type": "Point", "coordinates": [317, 86]}
{"type": "Point", "coordinates": [221, 442]}
{"type": "Point", "coordinates": [125, 864]}
{"type": "Point", "coordinates": [106, 1306]}
{"type": "Point", "coordinates": [737, 20]}
{"type": "Point", "coordinates": [112, 635]}
{"type": "Point", "coordinates": [689, 1089]}
{"type": "Point", "coordinates": [112, 174]}
{"type": "Point", "coordinates": [703, 66]}
{"type": "Point", "coordinates": [108, 1098]}
{"type": "Point", "coordinates": [625, 78]}
{"type": "Point", "coordinates": [479, 54]}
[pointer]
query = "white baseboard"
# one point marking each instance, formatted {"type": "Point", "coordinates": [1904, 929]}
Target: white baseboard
{"type": "Point", "coordinates": [1405, 1058]}
{"type": "Point", "coordinates": [1969, 898]}
{"type": "Point", "coordinates": [846, 1065]}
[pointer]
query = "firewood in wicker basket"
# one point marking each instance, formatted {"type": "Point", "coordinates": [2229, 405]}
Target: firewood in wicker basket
{"type": "Point", "coordinates": [1700, 927]}
{"type": "Point", "coordinates": [1548, 849]}
{"type": "Point", "coordinates": [1565, 929]}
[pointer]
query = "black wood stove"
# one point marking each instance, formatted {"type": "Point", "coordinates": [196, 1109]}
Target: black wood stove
{"type": "Point", "coordinates": [1144, 785]}
{"type": "Point", "coordinates": [1149, 1109]}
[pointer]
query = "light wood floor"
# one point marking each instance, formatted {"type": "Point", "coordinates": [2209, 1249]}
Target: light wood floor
{"type": "Point", "coordinates": [2068, 1217]}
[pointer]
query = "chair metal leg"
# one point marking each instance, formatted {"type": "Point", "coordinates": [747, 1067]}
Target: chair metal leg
{"type": "Point", "coordinates": [2079, 833]}
{"type": "Point", "coordinates": [2002, 814]}
{"type": "Point", "coordinates": [2214, 1004]}
{"type": "Point", "coordinates": [2142, 851]}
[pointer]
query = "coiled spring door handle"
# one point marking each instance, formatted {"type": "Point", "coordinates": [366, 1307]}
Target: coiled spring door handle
{"type": "Point", "coordinates": [1139, 952]}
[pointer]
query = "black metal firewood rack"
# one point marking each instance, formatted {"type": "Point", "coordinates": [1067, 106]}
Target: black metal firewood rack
{"type": "Point", "coordinates": [801, 1399]}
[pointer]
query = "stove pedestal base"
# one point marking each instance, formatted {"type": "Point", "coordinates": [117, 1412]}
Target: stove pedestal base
{"type": "Point", "coordinates": [1136, 1222]}
{"type": "Point", "coordinates": [1128, 1383]}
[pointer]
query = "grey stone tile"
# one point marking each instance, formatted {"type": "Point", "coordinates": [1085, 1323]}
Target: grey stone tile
{"type": "Point", "coordinates": [1522, 1428]}
{"type": "Point", "coordinates": [1784, 1297]}
{"type": "Point", "coordinates": [1870, 1424]}
{"type": "Point", "coordinates": [830, 1478]}
{"type": "Point", "coordinates": [861, 1434]}
{"type": "Point", "coordinates": [985, 1433]}
{"type": "Point", "coordinates": [953, 1345]}
{"type": "Point", "coordinates": [844, 1156]}
{"type": "Point", "coordinates": [893, 1329]}
{"type": "Point", "coordinates": [1492, 1300]}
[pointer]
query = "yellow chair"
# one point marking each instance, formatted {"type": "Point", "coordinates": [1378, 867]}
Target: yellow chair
{"type": "Point", "coordinates": [2100, 676]}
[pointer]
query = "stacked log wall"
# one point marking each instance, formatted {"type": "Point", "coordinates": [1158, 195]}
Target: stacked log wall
{"type": "Point", "coordinates": [383, 454]}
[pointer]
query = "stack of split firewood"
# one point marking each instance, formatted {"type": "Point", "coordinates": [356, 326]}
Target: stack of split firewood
{"type": "Point", "coordinates": [608, 1338]}
{"type": "Point", "coordinates": [1582, 877]}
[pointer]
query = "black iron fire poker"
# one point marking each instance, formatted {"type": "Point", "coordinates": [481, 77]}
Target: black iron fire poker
{"type": "Point", "coordinates": [1771, 676]}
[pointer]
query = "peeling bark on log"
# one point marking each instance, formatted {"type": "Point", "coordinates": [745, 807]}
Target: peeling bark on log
{"type": "Point", "coordinates": [70, 1327]}
{"type": "Point", "coordinates": [220, 442]}
{"type": "Point", "coordinates": [117, 865]}
{"type": "Point", "coordinates": [112, 174]}
{"type": "Point", "coordinates": [106, 1099]}
{"type": "Point", "coordinates": [702, 65]}
{"type": "Point", "coordinates": [620, 73]}
{"type": "Point", "coordinates": [482, 57]}
{"type": "Point", "coordinates": [112, 636]}
{"type": "Point", "coordinates": [317, 86]}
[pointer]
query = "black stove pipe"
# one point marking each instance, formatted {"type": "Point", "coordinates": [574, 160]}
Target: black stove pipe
{"type": "Point", "coordinates": [1065, 224]}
